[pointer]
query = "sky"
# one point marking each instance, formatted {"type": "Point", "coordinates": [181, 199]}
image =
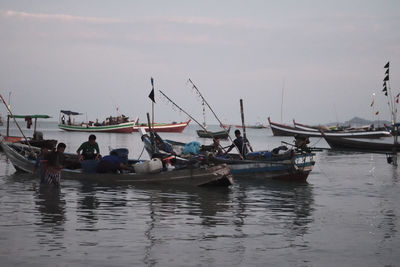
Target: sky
{"type": "Point", "coordinates": [313, 61]}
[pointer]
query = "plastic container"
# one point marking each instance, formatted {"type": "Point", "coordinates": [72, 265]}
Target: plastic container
{"type": "Point", "coordinates": [151, 166]}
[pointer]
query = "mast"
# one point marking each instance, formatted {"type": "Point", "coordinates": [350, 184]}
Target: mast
{"type": "Point", "coordinates": [283, 89]}
{"type": "Point", "coordinates": [393, 110]}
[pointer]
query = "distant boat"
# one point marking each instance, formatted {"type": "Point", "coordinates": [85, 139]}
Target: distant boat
{"type": "Point", "coordinates": [224, 134]}
{"type": "Point", "coordinates": [204, 133]}
{"type": "Point", "coordinates": [258, 125]}
{"type": "Point", "coordinates": [286, 130]}
{"type": "Point", "coordinates": [175, 127]}
{"type": "Point", "coordinates": [255, 126]}
{"type": "Point", "coordinates": [120, 124]}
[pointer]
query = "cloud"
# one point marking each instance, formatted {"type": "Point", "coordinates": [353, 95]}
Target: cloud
{"type": "Point", "coordinates": [58, 17]}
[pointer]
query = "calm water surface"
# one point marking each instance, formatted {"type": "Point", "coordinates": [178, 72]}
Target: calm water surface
{"type": "Point", "coordinates": [345, 215]}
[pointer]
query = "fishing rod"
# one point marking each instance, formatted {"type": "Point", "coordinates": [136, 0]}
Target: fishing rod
{"type": "Point", "coordinates": [16, 123]}
{"type": "Point", "coordinates": [215, 115]}
{"type": "Point", "coordinates": [191, 117]}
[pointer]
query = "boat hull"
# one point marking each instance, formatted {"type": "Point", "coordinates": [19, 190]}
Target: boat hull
{"type": "Point", "coordinates": [295, 169]}
{"type": "Point", "coordinates": [166, 128]}
{"type": "Point", "coordinates": [285, 130]}
{"type": "Point", "coordinates": [203, 176]}
{"type": "Point", "coordinates": [127, 127]}
{"type": "Point", "coordinates": [358, 145]}
{"type": "Point", "coordinates": [219, 135]}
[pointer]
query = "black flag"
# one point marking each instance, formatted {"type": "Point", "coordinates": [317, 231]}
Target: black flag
{"type": "Point", "coordinates": [151, 95]}
{"type": "Point", "coordinates": [386, 78]}
{"type": "Point", "coordinates": [387, 65]}
{"type": "Point", "coordinates": [387, 71]}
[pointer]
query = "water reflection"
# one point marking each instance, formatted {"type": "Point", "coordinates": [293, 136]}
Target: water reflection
{"type": "Point", "coordinates": [289, 205]}
{"type": "Point", "coordinates": [197, 206]}
{"type": "Point", "coordinates": [51, 207]}
{"type": "Point", "coordinates": [87, 205]}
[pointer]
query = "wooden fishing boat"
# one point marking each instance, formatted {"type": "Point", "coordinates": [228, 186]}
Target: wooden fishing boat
{"type": "Point", "coordinates": [351, 144]}
{"type": "Point", "coordinates": [120, 124]}
{"type": "Point", "coordinates": [163, 127]}
{"type": "Point", "coordinates": [308, 127]}
{"type": "Point", "coordinates": [209, 134]}
{"type": "Point", "coordinates": [37, 138]}
{"type": "Point", "coordinates": [185, 175]}
{"type": "Point", "coordinates": [255, 126]}
{"type": "Point", "coordinates": [286, 130]}
{"type": "Point", "coordinates": [292, 165]}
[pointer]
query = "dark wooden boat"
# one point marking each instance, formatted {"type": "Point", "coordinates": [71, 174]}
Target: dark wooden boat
{"type": "Point", "coordinates": [224, 134]}
{"type": "Point", "coordinates": [37, 138]}
{"type": "Point", "coordinates": [286, 130]}
{"type": "Point", "coordinates": [187, 175]}
{"type": "Point", "coordinates": [293, 165]}
{"type": "Point", "coordinates": [351, 144]}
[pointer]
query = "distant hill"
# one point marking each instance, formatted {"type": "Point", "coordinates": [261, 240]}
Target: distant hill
{"type": "Point", "coordinates": [356, 121]}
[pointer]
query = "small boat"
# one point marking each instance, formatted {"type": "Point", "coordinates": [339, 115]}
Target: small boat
{"type": "Point", "coordinates": [286, 130]}
{"type": "Point", "coordinates": [37, 138]}
{"type": "Point", "coordinates": [163, 127]}
{"type": "Point", "coordinates": [186, 175]}
{"type": "Point", "coordinates": [255, 126]}
{"type": "Point", "coordinates": [120, 124]}
{"type": "Point", "coordinates": [203, 133]}
{"type": "Point", "coordinates": [351, 144]}
{"type": "Point", "coordinates": [292, 165]}
{"type": "Point", "coordinates": [224, 134]}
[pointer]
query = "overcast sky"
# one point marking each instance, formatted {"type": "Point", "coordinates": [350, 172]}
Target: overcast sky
{"type": "Point", "coordinates": [325, 57]}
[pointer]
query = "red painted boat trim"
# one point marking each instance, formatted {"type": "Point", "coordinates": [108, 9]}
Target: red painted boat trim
{"type": "Point", "coordinates": [167, 128]}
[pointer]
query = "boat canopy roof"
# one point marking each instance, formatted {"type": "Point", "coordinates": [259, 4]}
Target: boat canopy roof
{"type": "Point", "coordinates": [35, 116]}
{"type": "Point", "coordinates": [69, 112]}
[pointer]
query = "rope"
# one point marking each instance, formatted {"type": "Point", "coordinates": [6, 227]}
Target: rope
{"type": "Point", "coordinates": [141, 153]}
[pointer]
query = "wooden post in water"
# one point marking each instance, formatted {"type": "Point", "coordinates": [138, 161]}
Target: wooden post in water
{"type": "Point", "coordinates": [245, 141]}
{"type": "Point", "coordinates": [242, 116]}
{"type": "Point", "coordinates": [150, 132]}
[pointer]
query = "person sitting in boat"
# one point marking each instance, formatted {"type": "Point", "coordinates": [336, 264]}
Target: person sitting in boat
{"type": "Point", "coordinates": [55, 161]}
{"type": "Point", "coordinates": [214, 148]}
{"type": "Point", "coordinates": [241, 143]}
{"type": "Point", "coordinates": [97, 123]}
{"type": "Point", "coordinates": [301, 141]}
{"type": "Point", "coordinates": [113, 163]}
{"type": "Point", "coordinates": [90, 149]}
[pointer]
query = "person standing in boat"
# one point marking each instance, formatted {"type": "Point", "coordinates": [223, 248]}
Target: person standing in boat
{"type": "Point", "coordinates": [55, 161]}
{"type": "Point", "coordinates": [241, 143]}
{"type": "Point", "coordinates": [90, 149]}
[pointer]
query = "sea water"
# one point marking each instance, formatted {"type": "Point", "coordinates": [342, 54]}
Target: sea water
{"type": "Point", "coordinates": [345, 215]}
